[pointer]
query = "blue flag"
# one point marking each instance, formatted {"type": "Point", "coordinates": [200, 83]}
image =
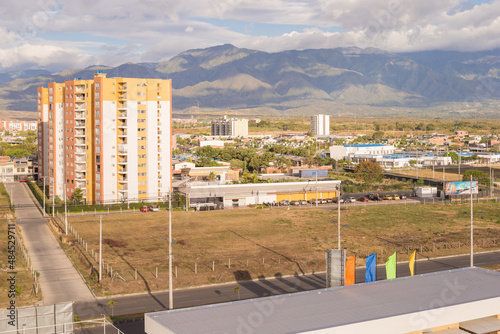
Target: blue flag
{"type": "Point", "coordinates": [371, 268]}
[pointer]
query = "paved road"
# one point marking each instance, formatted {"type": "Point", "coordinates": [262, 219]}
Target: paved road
{"type": "Point", "coordinates": [251, 289]}
{"type": "Point", "coordinates": [59, 280]}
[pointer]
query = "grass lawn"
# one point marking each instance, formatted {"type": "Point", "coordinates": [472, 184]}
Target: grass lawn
{"type": "Point", "coordinates": [266, 243]}
{"type": "Point", "coordinates": [24, 281]}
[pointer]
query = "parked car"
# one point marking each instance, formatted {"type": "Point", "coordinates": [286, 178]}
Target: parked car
{"type": "Point", "coordinates": [363, 199]}
{"type": "Point", "coordinates": [395, 196]}
{"type": "Point", "coordinates": [285, 202]}
{"type": "Point", "coordinates": [154, 208]}
{"type": "Point", "coordinates": [295, 203]}
{"type": "Point", "coordinates": [303, 202]}
{"type": "Point", "coordinates": [402, 196]}
{"type": "Point", "coordinates": [144, 208]}
{"type": "Point", "coordinates": [350, 199]}
{"type": "Point", "coordinates": [387, 197]}
{"type": "Point", "coordinates": [22, 180]}
{"type": "Point", "coordinates": [323, 201]}
{"type": "Point", "coordinates": [314, 200]}
{"type": "Point", "coordinates": [329, 200]}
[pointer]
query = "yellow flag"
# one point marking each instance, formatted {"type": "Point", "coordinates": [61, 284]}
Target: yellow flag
{"type": "Point", "coordinates": [412, 262]}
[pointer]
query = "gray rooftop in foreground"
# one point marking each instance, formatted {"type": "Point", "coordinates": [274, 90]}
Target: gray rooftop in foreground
{"type": "Point", "coordinates": [327, 308]}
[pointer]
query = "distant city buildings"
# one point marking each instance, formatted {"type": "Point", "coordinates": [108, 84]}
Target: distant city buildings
{"type": "Point", "coordinates": [229, 127]}
{"type": "Point", "coordinates": [109, 137]}
{"type": "Point", "coordinates": [18, 125]}
{"type": "Point", "coordinates": [347, 152]}
{"type": "Point", "coordinates": [320, 125]}
{"type": "Point", "coordinates": [185, 120]}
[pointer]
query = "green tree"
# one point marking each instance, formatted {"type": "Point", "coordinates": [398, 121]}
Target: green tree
{"type": "Point", "coordinates": [477, 175]}
{"type": "Point", "coordinates": [377, 135]}
{"type": "Point", "coordinates": [236, 289]}
{"type": "Point", "coordinates": [111, 304]}
{"type": "Point", "coordinates": [369, 172]}
{"type": "Point", "coordinates": [78, 196]}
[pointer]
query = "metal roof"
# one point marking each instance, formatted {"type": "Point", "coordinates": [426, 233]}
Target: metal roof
{"type": "Point", "coordinates": [328, 308]}
{"type": "Point", "coordinates": [262, 188]}
{"type": "Point", "coordinates": [367, 145]}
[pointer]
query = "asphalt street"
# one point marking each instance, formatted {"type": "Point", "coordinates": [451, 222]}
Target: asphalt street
{"type": "Point", "coordinates": [59, 280]}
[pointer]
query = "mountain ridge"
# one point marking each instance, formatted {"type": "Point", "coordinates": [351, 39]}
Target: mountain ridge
{"type": "Point", "coordinates": [225, 76]}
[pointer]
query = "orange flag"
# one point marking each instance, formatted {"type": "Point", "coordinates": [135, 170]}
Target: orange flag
{"type": "Point", "coordinates": [350, 271]}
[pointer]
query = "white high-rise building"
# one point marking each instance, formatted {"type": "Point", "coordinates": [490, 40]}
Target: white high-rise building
{"type": "Point", "coordinates": [230, 127]}
{"type": "Point", "coordinates": [320, 125]}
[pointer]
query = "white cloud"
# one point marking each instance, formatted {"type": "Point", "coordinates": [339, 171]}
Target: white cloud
{"type": "Point", "coordinates": [154, 30]}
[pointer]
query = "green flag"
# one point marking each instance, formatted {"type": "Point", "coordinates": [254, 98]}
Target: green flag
{"type": "Point", "coordinates": [390, 267]}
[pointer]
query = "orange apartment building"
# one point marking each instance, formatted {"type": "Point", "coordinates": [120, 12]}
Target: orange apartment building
{"type": "Point", "coordinates": [110, 137]}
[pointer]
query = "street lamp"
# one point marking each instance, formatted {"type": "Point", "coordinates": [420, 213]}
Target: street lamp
{"type": "Point", "coordinates": [170, 284]}
{"type": "Point", "coordinates": [471, 227]}
{"type": "Point", "coordinates": [100, 247]}
{"type": "Point", "coordinates": [44, 195]}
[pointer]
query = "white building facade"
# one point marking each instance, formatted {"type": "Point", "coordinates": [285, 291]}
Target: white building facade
{"type": "Point", "coordinates": [320, 125]}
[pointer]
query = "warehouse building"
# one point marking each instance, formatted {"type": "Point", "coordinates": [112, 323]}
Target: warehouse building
{"type": "Point", "coordinates": [452, 302]}
{"type": "Point", "coordinates": [240, 195]}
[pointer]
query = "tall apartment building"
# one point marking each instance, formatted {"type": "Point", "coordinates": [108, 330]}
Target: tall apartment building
{"type": "Point", "coordinates": [229, 127]}
{"type": "Point", "coordinates": [110, 137]}
{"type": "Point", "coordinates": [320, 125]}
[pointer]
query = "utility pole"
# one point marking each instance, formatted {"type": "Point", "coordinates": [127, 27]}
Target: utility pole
{"type": "Point", "coordinates": [316, 188]}
{"type": "Point", "coordinates": [170, 284]}
{"type": "Point", "coordinates": [100, 248]}
{"type": "Point", "coordinates": [471, 227]}
{"type": "Point", "coordinates": [338, 218]}
{"type": "Point", "coordinates": [65, 209]}
{"type": "Point", "coordinates": [43, 196]}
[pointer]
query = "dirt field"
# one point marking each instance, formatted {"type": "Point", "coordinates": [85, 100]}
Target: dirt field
{"type": "Point", "coordinates": [24, 281]}
{"type": "Point", "coordinates": [252, 243]}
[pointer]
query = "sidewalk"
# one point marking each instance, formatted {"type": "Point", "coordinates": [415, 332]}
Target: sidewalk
{"type": "Point", "coordinates": [59, 280]}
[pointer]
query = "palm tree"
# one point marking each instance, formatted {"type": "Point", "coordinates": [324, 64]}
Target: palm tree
{"type": "Point", "coordinates": [111, 304]}
{"type": "Point", "coordinates": [237, 290]}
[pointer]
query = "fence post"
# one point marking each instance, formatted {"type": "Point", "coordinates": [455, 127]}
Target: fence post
{"type": "Point", "coordinates": [135, 275]}
{"type": "Point", "coordinates": [229, 264]}
{"type": "Point", "coordinates": [156, 272]}
{"type": "Point", "coordinates": [213, 265]}
{"type": "Point", "coordinates": [175, 271]}
{"type": "Point", "coordinates": [195, 268]}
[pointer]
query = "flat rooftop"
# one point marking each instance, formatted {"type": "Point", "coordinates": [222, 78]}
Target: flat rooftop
{"type": "Point", "coordinates": [400, 305]}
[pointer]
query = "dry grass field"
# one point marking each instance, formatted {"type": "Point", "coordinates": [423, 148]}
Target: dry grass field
{"type": "Point", "coordinates": [24, 281]}
{"type": "Point", "coordinates": [253, 243]}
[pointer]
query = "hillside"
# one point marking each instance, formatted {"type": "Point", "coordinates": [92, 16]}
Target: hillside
{"type": "Point", "coordinates": [344, 79]}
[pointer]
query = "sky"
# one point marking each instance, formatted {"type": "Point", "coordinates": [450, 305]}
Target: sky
{"type": "Point", "coordinates": [62, 34]}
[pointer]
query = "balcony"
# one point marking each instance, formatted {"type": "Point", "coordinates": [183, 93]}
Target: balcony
{"type": "Point", "coordinates": [79, 150]}
{"type": "Point", "coordinates": [79, 124]}
{"type": "Point", "coordinates": [79, 97]}
{"type": "Point", "coordinates": [80, 185]}
{"type": "Point", "coordinates": [122, 124]}
{"type": "Point", "coordinates": [80, 176]}
{"type": "Point", "coordinates": [122, 132]}
{"type": "Point", "coordinates": [79, 133]}
{"type": "Point", "coordinates": [79, 142]}
{"type": "Point", "coordinates": [80, 168]}
{"type": "Point", "coordinates": [122, 161]}
{"type": "Point", "coordinates": [122, 115]}
{"type": "Point", "coordinates": [79, 88]}
{"type": "Point", "coordinates": [79, 106]}
{"type": "Point", "coordinates": [122, 106]}
{"type": "Point", "coordinates": [123, 180]}
{"type": "Point", "coordinates": [122, 86]}
{"type": "Point", "coordinates": [124, 188]}
{"type": "Point", "coordinates": [122, 149]}
{"type": "Point", "coordinates": [122, 141]}
{"type": "Point", "coordinates": [122, 171]}
{"type": "Point", "coordinates": [122, 97]}
{"type": "Point", "coordinates": [80, 160]}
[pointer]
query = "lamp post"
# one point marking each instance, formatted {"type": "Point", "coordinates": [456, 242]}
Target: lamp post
{"type": "Point", "coordinates": [65, 211]}
{"type": "Point", "coordinates": [471, 227]}
{"type": "Point", "coordinates": [338, 218]}
{"type": "Point", "coordinates": [170, 284]}
{"type": "Point", "coordinates": [44, 195]}
{"type": "Point", "coordinates": [100, 246]}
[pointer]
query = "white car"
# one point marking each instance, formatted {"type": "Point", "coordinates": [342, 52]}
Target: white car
{"type": "Point", "coordinates": [351, 199]}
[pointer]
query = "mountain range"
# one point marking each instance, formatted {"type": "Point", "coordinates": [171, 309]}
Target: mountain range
{"type": "Point", "coordinates": [338, 81]}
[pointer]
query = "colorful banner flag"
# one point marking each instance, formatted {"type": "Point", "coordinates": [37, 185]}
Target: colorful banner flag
{"type": "Point", "coordinates": [390, 267]}
{"type": "Point", "coordinates": [350, 271]}
{"type": "Point", "coordinates": [371, 268]}
{"type": "Point", "coordinates": [412, 262]}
